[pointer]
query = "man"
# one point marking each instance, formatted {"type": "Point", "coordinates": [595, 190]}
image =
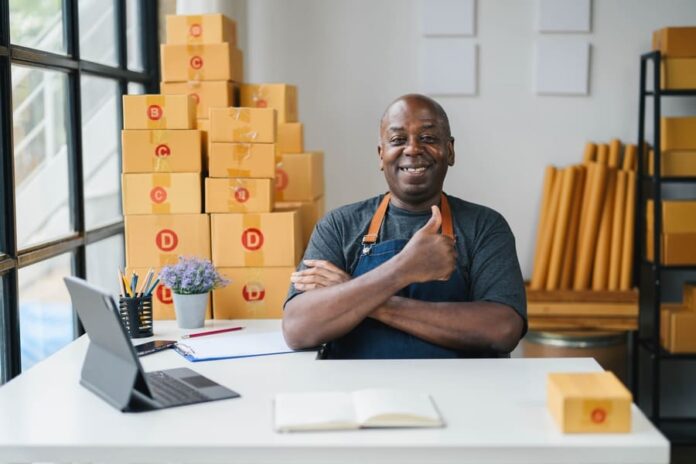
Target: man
{"type": "Point", "coordinates": [380, 281]}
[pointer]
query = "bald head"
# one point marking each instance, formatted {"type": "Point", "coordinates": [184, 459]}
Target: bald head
{"type": "Point", "coordinates": [405, 100]}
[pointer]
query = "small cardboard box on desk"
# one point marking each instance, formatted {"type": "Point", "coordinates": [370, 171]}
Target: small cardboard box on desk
{"type": "Point", "coordinates": [254, 293]}
{"type": "Point", "coordinates": [595, 402]}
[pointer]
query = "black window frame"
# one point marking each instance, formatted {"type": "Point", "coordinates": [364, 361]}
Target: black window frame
{"type": "Point", "coordinates": [11, 258]}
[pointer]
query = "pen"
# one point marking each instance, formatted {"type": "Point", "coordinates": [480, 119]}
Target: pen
{"type": "Point", "coordinates": [212, 332]}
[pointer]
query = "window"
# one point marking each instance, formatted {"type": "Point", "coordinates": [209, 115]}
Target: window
{"type": "Point", "coordinates": [60, 117]}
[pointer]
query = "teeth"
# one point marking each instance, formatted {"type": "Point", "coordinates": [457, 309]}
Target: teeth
{"type": "Point", "coordinates": [421, 169]}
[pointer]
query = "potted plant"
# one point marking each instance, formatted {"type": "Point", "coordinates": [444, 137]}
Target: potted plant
{"type": "Point", "coordinates": [191, 279]}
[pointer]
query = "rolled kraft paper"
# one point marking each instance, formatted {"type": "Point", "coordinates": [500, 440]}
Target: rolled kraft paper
{"type": "Point", "coordinates": [617, 232]}
{"type": "Point", "coordinates": [544, 246]}
{"type": "Point", "coordinates": [629, 161]}
{"type": "Point", "coordinates": [626, 279]}
{"type": "Point", "coordinates": [588, 234]}
{"type": "Point", "coordinates": [590, 153]}
{"type": "Point", "coordinates": [590, 173]}
{"type": "Point", "coordinates": [549, 175]}
{"type": "Point", "coordinates": [560, 233]}
{"type": "Point", "coordinates": [614, 153]}
{"type": "Point", "coordinates": [603, 153]}
{"type": "Point", "coordinates": [600, 273]}
{"type": "Point", "coordinates": [573, 229]}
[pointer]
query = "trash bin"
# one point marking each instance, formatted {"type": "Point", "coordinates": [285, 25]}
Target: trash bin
{"type": "Point", "coordinates": [610, 349]}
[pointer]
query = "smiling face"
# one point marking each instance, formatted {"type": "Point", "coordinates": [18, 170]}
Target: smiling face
{"type": "Point", "coordinates": [415, 151]}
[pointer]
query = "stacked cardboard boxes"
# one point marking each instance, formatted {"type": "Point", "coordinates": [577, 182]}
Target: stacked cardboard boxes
{"type": "Point", "coordinates": [201, 58]}
{"type": "Point", "coordinates": [161, 183]}
{"type": "Point", "coordinates": [677, 45]}
{"type": "Point", "coordinates": [678, 323]}
{"type": "Point", "coordinates": [299, 174]}
{"type": "Point", "coordinates": [255, 247]}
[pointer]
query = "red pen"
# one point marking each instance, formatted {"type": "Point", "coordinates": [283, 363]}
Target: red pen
{"type": "Point", "coordinates": [212, 332]}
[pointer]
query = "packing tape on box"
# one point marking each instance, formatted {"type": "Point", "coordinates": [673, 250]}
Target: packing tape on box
{"type": "Point", "coordinates": [243, 132]}
{"type": "Point", "coordinates": [196, 65]}
{"type": "Point", "coordinates": [252, 240]}
{"type": "Point", "coordinates": [240, 153]}
{"type": "Point", "coordinates": [194, 29]}
{"type": "Point", "coordinates": [239, 192]}
{"type": "Point", "coordinates": [260, 97]}
{"type": "Point", "coordinates": [155, 111]}
{"type": "Point", "coordinates": [159, 194]}
{"type": "Point", "coordinates": [161, 152]}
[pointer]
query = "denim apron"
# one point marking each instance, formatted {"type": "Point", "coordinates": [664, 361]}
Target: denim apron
{"type": "Point", "coordinates": [372, 339]}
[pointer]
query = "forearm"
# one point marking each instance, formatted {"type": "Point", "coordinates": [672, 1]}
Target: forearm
{"type": "Point", "coordinates": [456, 325]}
{"type": "Point", "coordinates": [324, 314]}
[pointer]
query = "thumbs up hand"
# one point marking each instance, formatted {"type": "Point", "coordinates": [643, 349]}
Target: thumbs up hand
{"type": "Point", "coordinates": [429, 255]}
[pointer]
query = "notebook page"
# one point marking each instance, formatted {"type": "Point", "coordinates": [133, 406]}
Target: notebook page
{"type": "Point", "coordinates": [395, 408]}
{"type": "Point", "coordinates": [314, 411]}
{"type": "Point", "coordinates": [233, 345]}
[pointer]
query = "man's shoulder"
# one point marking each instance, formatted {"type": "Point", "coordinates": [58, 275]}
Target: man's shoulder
{"type": "Point", "coordinates": [469, 210]}
{"type": "Point", "coordinates": [353, 213]}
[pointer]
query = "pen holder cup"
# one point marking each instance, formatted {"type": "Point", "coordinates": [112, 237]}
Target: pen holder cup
{"type": "Point", "coordinates": [136, 315]}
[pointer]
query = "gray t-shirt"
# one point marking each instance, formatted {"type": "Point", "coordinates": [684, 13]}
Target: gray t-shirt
{"type": "Point", "coordinates": [486, 255]}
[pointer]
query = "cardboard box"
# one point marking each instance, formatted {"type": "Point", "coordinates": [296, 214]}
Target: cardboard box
{"type": "Point", "coordinates": [210, 62]}
{"type": "Point", "coordinates": [255, 293]}
{"type": "Point", "coordinates": [677, 249]}
{"type": "Point", "coordinates": [678, 216]}
{"type": "Point", "coordinates": [203, 125]}
{"type": "Point", "coordinates": [249, 125]}
{"type": "Point", "coordinates": [300, 177]}
{"type": "Point", "coordinates": [162, 301]}
{"type": "Point", "coordinates": [290, 138]}
{"type": "Point", "coordinates": [678, 329]}
{"type": "Point", "coordinates": [678, 134]}
{"type": "Point", "coordinates": [238, 195]}
{"type": "Point", "coordinates": [689, 290]}
{"type": "Point", "coordinates": [310, 213]}
{"type": "Point", "coordinates": [162, 193]}
{"type": "Point", "coordinates": [207, 94]}
{"type": "Point", "coordinates": [674, 163]}
{"type": "Point", "coordinates": [678, 73]}
{"type": "Point", "coordinates": [159, 239]}
{"type": "Point", "coordinates": [242, 160]}
{"type": "Point", "coordinates": [159, 112]}
{"type": "Point", "coordinates": [675, 41]}
{"type": "Point", "coordinates": [161, 151]}
{"type": "Point", "coordinates": [256, 239]}
{"type": "Point", "coordinates": [593, 402]}
{"type": "Point", "coordinates": [282, 97]}
{"type": "Point", "coordinates": [201, 29]}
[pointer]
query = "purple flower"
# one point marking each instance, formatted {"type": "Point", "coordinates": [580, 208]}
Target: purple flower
{"type": "Point", "coordinates": [192, 275]}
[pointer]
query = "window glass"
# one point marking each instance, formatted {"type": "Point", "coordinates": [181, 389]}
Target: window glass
{"type": "Point", "coordinates": [100, 149]}
{"type": "Point", "coordinates": [135, 88]}
{"type": "Point", "coordinates": [45, 312]}
{"type": "Point", "coordinates": [38, 24]}
{"type": "Point", "coordinates": [39, 108]}
{"type": "Point", "coordinates": [98, 31]}
{"type": "Point", "coordinates": [134, 35]}
{"type": "Point", "coordinates": [103, 258]}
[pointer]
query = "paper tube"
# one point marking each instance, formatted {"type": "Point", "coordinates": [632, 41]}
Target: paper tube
{"type": "Point", "coordinates": [600, 273]}
{"type": "Point", "coordinates": [603, 153]}
{"type": "Point", "coordinates": [560, 233]}
{"type": "Point", "coordinates": [540, 271]}
{"type": "Point", "coordinates": [614, 153]}
{"type": "Point", "coordinates": [549, 178]}
{"type": "Point", "coordinates": [590, 153]}
{"type": "Point", "coordinates": [588, 234]}
{"type": "Point", "coordinates": [629, 161]}
{"type": "Point", "coordinates": [617, 232]}
{"type": "Point", "coordinates": [626, 279]}
{"type": "Point", "coordinates": [573, 228]}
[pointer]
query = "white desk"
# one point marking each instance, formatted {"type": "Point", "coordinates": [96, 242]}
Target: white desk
{"type": "Point", "coordinates": [495, 412]}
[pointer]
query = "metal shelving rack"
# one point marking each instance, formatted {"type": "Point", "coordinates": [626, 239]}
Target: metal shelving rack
{"type": "Point", "coordinates": [679, 430]}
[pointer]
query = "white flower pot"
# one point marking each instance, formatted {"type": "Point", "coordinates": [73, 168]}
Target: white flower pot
{"type": "Point", "coordinates": [190, 310]}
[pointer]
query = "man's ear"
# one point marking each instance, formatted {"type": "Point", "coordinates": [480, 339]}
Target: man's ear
{"type": "Point", "coordinates": [450, 150]}
{"type": "Point", "coordinates": [381, 161]}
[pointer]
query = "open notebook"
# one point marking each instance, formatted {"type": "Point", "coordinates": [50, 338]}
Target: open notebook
{"type": "Point", "coordinates": [353, 410]}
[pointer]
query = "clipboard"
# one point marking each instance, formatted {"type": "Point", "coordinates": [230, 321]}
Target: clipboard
{"type": "Point", "coordinates": [232, 345]}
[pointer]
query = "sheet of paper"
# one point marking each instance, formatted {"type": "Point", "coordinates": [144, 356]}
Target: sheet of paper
{"type": "Point", "coordinates": [232, 345]}
{"type": "Point", "coordinates": [564, 15]}
{"type": "Point", "coordinates": [448, 17]}
{"type": "Point", "coordinates": [394, 408]}
{"type": "Point", "coordinates": [562, 66]}
{"type": "Point", "coordinates": [314, 411]}
{"type": "Point", "coordinates": [448, 66]}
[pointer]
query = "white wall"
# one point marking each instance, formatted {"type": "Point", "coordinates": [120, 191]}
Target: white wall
{"type": "Point", "coordinates": [350, 58]}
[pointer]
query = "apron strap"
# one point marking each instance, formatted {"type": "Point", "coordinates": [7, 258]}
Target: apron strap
{"type": "Point", "coordinates": [378, 218]}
